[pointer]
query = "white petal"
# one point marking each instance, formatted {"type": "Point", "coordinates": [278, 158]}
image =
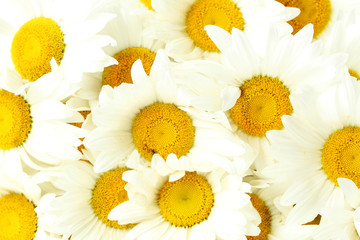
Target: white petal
{"type": "Point", "coordinates": [351, 191]}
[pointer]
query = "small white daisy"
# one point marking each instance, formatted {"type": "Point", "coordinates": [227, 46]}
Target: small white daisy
{"type": "Point", "coordinates": [194, 205]}
{"type": "Point", "coordinates": [80, 212]}
{"type": "Point", "coordinates": [343, 37]}
{"type": "Point", "coordinates": [318, 145]}
{"type": "Point", "coordinates": [323, 14]}
{"type": "Point", "coordinates": [21, 208]}
{"type": "Point", "coordinates": [34, 129]}
{"type": "Point", "coordinates": [152, 115]}
{"type": "Point", "coordinates": [267, 80]}
{"type": "Point", "coordinates": [342, 222]}
{"type": "Point", "coordinates": [127, 29]}
{"type": "Point", "coordinates": [273, 227]}
{"type": "Point", "coordinates": [181, 23]}
{"type": "Point", "coordinates": [34, 32]}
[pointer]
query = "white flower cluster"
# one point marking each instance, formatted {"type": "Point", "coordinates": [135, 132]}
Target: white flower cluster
{"type": "Point", "coordinates": [180, 119]}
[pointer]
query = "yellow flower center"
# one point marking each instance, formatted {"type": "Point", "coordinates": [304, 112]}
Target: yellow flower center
{"type": "Point", "coordinates": [263, 210]}
{"type": "Point", "coordinates": [262, 102]}
{"type": "Point", "coordinates": [114, 75]}
{"type": "Point", "coordinates": [222, 13]}
{"type": "Point", "coordinates": [316, 12]}
{"type": "Point", "coordinates": [108, 193]}
{"type": "Point", "coordinates": [18, 219]}
{"type": "Point", "coordinates": [34, 45]}
{"type": "Point", "coordinates": [187, 201]}
{"type": "Point", "coordinates": [147, 3]}
{"type": "Point", "coordinates": [354, 73]}
{"type": "Point", "coordinates": [162, 128]}
{"type": "Point", "coordinates": [341, 155]}
{"type": "Point", "coordinates": [15, 120]}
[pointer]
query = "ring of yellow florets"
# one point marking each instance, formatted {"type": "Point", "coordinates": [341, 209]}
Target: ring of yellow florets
{"type": "Point", "coordinates": [341, 155]}
{"type": "Point", "coordinates": [18, 219]}
{"type": "Point", "coordinates": [162, 128]}
{"type": "Point", "coordinates": [317, 12]}
{"type": "Point", "coordinates": [222, 13]}
{"type": "Point", "coordinates": [187, 201]}
{"type": "Point", "coordinates": [15, 120]}
{"type": "Point", "coordinates": [34, 45]}
{"type": "Point", "coordinates": [262, 102]}
{"type": "Point", "coordinates": [109, 192]}
{"type": "Point", "coordinates": [114, 75]}
{"type": "Point", "coordinates": [265, 215]}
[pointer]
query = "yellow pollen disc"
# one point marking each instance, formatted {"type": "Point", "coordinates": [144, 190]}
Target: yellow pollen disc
{"type": "Point", "coordinates": [15, 120]}
{"type": "Point", "coordinates": [341, 155]}
{"type": "Point", "coordinates": [108, 193]}
{"type": "Point", "coordinates": [34, 45]}
{"type": "Point", "coordinates": [222, 13]}
{"type": "Point", "coordinates": [316, 12]}
{"type": "Point", "coordinates": [265, 215]}
{"type": "Point", "coordinates": [262, 102]}
{"type": "Point", "coordinates": [147, 3]}
{"type": "Point", "coordinates": [162, 128]}
{"type": "Point", "coordinates": [353, 73]}
{"type": "Point", "coordinates": [114, 75]}
{"type": "Point", "coordinates": [18, 219]}
{"type": "Point", "coordinates": [187, 201]}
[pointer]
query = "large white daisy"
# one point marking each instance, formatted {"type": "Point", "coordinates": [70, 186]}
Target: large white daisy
{"type": "Point", "coordinates": [342, 222]}
{"type": "Point", "coordinates": [194, 205]}
{"type": "Point", "coordinates": [323, 14]}
{"type": "Point", "coordinates": [34, 129]}
{"type": "Point", "coordinates": [80, 212]}
{"type": "Point", "coordinates": [318, 145]}
{"type": "Point", "coordinates": [127, 29]}
{"type": "Point", "coordinates": [267, 80]}
{"type": "Point", "coordinates": [153, 115]}
{"type": "Point", "coordinates": [181, 23]}
{"type": "Point", "coordinates": [34, 32]}
{"type": "Point", "coordinates": [21, 207]}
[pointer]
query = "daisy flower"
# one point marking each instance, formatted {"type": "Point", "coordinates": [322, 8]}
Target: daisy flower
{"type": "Point", "coordinates": [153, 115]}
{"type": "Point", "coordinates": [80, 212]}
{"type": "Point", "coordinates": [316, 147]}
{"type": "Point", "coordinates": [181, 23]}
{"type": "Point", "coordinates": [272, 227]}
{"type": "Point", "coordinates": [322, 14]}
{"type": "Point", "coordinates": [34, 131]}
{"type": "Point", "coordinates": [343, 37]}
{"type": "Point", "coordinates": [195, 205]}
{"type": "Point", "coordinates": [267, 81]}
{"type": "Point", "coordinates": [342, 222]}
{"type": "Point", "coordinates": [21, 209]}
{"type": "Point", "coordinates": [127, 29]}
{"type": "Point", "coordinates": [34, 32]}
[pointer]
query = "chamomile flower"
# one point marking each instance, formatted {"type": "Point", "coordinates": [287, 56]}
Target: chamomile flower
{"type": "Point", "coordinates": [342, 222]}
{"type": "Point", "coordinates": [181, 23]}
{"type": "Point", "coordinates": [316, 147]}
{"type": "Point", "coordinates": [260, 86]}
{"type": "Point", "coordinates": [127, 29]}
{"type": "Point", "coordinates": [273, 214]}
{"type": "Point", "coordinates": [343, 37]}
{"type": "Point", "coordinates": [34, 32]}
{"type": "Point", "coordinates": [81, 211]}
{"type": "Point", "coordinates": [34, 132]}
{"type": "Point", "coordinates": [21, 209]}
{"type": "Point", "coordinates": [195, 205]}
{"type": "Point", "coordinates": [153, 115]}
{"type": "Point", "coordinates": [322, 14]}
